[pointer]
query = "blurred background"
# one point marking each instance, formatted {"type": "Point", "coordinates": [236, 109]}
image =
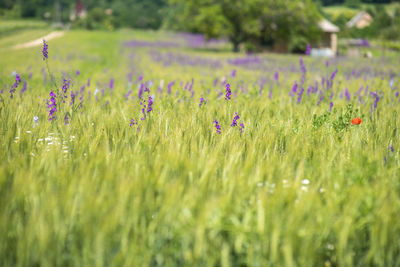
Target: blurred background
{"type": "Point", "coordinates": [329, 27]}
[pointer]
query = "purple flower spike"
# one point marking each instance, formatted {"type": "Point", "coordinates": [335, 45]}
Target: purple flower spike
{"type": "Point", "coordinates": [66, 120]}
{"type": "Point", "coordinates": [150, 104]}
{"type": "Point", "coordinates": [52, 106]}
{"type": "Point", "coordinates": [132, 122]}
{"type": "Point", "coordinates": [334, 74]}
{"type": "Point", "coordinates": [217, 126]}
{"type": "Point", "coordinates": [294, 89]}
{"type": "Point", "coordinates": [302, 66]}
{"type": "Point", "coordinates": [330, 106]}
{"type": "Point", "coordinates": [300, 94]}
{"type": "Point", "coordinates": [15, 85]}
{"type": "Point", "coordinates": [276, 77]}
{"type": "Point", "coordinates": [202, 101]}
{"type": "Point", "coordinates": [347, 94]}
{"type": "Point", "coordinates": [308, 50]}
{"type": "Point", "coordinates": [241, 128]}
{"type": "Point", "coordinates": [72, 98]}
{"type": "Point", "coordinates": [391, 148]}
{"type": "Point", "coordinates": [234, 122]}
{"type": "Point", "coordinates": [44, 51]}
{"type": "Point", "coordinates": [77, 72]}
{"type": "Point", "coordinates": [65, 88]}
{"type": "Point", "coordinates": [228, 92]}
{"type": "Point", "coordinates": [233, 73]}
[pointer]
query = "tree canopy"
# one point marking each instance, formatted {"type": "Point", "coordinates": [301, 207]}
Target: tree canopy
{"type": "Point", "coordinates": [292, 22]}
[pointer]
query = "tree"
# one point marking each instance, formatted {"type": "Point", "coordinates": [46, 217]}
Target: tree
{"type": "Point", "coordinates": [235, 19]}
{"type": "Point", "coordinates": [248, 20]}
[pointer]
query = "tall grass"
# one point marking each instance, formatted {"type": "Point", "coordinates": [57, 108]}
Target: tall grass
{"type": "Point", "coordinates": [286, 192]}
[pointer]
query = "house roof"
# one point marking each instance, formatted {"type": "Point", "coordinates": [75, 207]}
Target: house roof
{"type": "Point", "coordinates": [327, 26]}
{"type": "Point", "coordinates": [357, 18]}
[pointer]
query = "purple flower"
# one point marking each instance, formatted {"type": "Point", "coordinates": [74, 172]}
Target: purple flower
{"type": "Point", "coordinates": [146, 89]}
{"type": "Point", "coordinates": [132, 123]}
{"type": "Point", "coordinates": [365, 43]}
{"type": "Point", "coordinates": [300, 94]}
{"type": "Point", "coordinates": [391, 82]}
{"type": "Point", "coordinates": [24, 87]}
{"type": "Point", "coordinates": [140, 93]}
{"type": "Point", "coordinates": [15, 85]}
{"type": "Point", "coordinates": [52, 107]}
{"type": "Point", "coordinates": [36, 121]}
{"type": "Point", "coordinates": [66, 119]}
{"type": "Point", "coordinates": [234, 122]}
{"type": "Point", "coordinates": [111, 83]}
{"type": "Point", "coordinates": [302, 66]}
{"type": "Point", "coordinates": [241, 128]}
{"type": "Point", "coordinates": [276, 77]}
{"type": "Point", "coordinates": [169, 86]}
{"type": "Point", "coordinates": [218, 128]}
{"type": "Point", "coordinates": [72, 98]}
{"type": "Point", "coordinates": [294, 89]}
{"type": "Point", "coordinates": [330, 106]}
{"type": "Point", "coordinates": [347, 94]}
{"type": "Point", "coordinates": [150, 104]}
{"type": "Point", "coordinates": [44, 50]}
{"type": "Point", "coordinates": [375, 105]}
{"type": "Point", "coordinates": [391, 148]}
{"type": "Point", "coordinates": [215, 82]}
{"type": "Point", "coordinates": [228, 92]}
{"type": "Point", "coordinates": [65, 88]}
{"type": "Point", "coordinates": [308, 50]}
{"type": "Point", "coordinates": [321, 98]}
{"type": "Point", "coordinates": [334, 74]}
{"type": "Point", "coordinates": [77, 72]}
{"type": "Point", "coordinates": [233, 73]}
{"type": "Point", "coordinates": [202, 101]}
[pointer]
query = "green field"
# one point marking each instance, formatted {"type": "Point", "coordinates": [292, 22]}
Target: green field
{"type": "Point", "coordinates": [301, 186]}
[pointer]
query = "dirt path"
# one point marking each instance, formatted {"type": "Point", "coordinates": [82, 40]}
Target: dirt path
{"type": "Point", "coordinates": [39, 41]}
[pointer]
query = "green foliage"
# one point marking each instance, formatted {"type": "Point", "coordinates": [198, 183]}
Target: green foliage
{"type": "Point", "coordinates": [320, 120]}
{"type": "Point", "coordinates": [256, 21]}
{"type": "Point", "coordinates": [342, 122]}
{"type": "Point", "coordinates": [353, 3]}
{"type": "Point", "coordinates": [339, 122]}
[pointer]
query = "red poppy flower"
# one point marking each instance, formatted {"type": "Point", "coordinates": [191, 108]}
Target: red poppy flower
{"type": "Point", "coordinates": [356, 121]}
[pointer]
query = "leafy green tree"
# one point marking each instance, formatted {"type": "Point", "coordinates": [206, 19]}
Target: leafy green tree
{"type": "Point", "coordinates": [288, 21]}
{"type": "Point", "coordinates": [235, 19]}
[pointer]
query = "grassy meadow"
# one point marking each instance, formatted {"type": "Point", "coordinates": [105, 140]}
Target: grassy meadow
{"type": "Point", "coordinates": [298, 186]}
